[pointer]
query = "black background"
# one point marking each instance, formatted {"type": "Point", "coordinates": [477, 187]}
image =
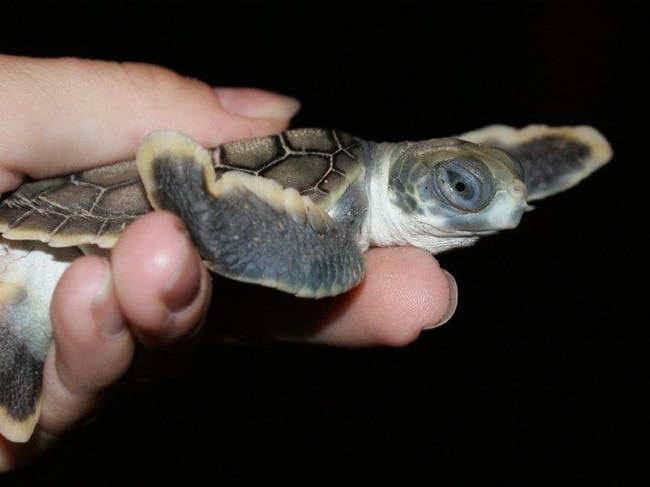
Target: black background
{"type": "Point", "coordinates": [539, 374]}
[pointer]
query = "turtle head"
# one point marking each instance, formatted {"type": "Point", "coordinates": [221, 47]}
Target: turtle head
{"type": "Point", "coordinates": [445, 193]}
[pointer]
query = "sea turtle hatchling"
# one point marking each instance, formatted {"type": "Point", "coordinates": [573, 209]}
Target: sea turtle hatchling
{"type": "Point", "coordinates": [294, 211]}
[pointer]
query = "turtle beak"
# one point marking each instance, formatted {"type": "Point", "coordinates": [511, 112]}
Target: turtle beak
{"type": "Point", "coordinates": [512, 204]}
{"type": "Point", "coordinates": [519, 192]}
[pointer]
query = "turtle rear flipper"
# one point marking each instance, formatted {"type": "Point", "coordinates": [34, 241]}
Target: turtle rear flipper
{"type": "Point", "coordinates": [553, 158]}
{"type": "Point", "coordinates": [29, 272]}
{"type": "Point", "coordinates": [247, 227]}
{"type": "Point", "coordinates": [20, 379]}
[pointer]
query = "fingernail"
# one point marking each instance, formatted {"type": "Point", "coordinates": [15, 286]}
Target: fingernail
{"type": "Point", "coordinates": [105, 311]}
{"type": "Point", "coordinates": [184, 284]}
{"type": "Point", "coordinates": [254, 103]}
{"type": "Point", "coordinates": [453, 301]}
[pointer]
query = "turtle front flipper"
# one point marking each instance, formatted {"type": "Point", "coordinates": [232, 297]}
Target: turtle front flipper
{"type": "Point", "coordinates": [246, 227]}
{"type": "Point", "coordinates": [553, 158]}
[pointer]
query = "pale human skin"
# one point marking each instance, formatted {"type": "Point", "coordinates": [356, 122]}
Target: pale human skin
{"type": "Point", "coordinates": [62, 115]}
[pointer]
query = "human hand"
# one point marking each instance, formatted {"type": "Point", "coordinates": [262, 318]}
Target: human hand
{"type": "Point", "coordinates": [62, 115]}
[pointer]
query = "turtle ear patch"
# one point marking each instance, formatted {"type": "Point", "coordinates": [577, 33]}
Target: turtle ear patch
{"type": "Point", "coordinates": [554, 159]}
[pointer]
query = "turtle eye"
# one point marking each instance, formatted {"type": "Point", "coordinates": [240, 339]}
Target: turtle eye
{"type": "Point", "coordinates": [466, 184]}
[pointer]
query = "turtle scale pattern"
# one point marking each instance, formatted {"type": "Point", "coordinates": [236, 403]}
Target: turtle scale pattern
{"type": "Point", "coordinates": [91, 206]}
{"type": "Point", "coordinates": [313, 161]}
{"type": "Point", "coordinates": [94, 206]}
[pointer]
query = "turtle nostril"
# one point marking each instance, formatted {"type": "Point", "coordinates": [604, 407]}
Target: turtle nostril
{"type": "Point", "coordinates": [517, 189]}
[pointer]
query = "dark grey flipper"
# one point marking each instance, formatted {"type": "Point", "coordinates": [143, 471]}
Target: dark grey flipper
{"type": "Point", "coordinates": [29, 272]}
{"type": "Point", "coordinates": [247, 227]}
{"type": "Point", "coordinates": [554, 158]}
{"type": "Point", "coordinates": [21, 376]}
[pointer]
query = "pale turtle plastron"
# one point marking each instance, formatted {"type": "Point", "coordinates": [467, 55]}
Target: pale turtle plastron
{"type": "Point", "coordinates": [293, 211]}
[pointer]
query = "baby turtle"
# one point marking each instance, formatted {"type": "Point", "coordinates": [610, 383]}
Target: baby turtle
{"type": "Point", "coordinates": [294, 211]}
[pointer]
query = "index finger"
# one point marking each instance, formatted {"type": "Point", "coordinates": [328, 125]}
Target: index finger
{"type": "Point", "coordinates": [62, 115]}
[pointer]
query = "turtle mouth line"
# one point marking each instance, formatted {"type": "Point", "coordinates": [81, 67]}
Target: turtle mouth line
{"type": "Point", "coordinates": [468, 232]}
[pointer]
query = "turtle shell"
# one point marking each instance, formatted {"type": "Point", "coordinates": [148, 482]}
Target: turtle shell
{"type": "Point", "coordinates": [94, 206]}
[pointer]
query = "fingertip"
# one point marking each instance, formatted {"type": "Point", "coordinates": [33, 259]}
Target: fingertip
{"type": "Point", "coordinates": [451, 305]}
{"type": "Point", "coordinates": [412, 291]}
{"type": "Point", "coordinates": [93, 346]}
{"type": "Point", "coordinates": [404, 292]}
{"type": "Point", "coordinates": [161, 284]}
{"type": "Point", "coordinates": [257, 103]}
